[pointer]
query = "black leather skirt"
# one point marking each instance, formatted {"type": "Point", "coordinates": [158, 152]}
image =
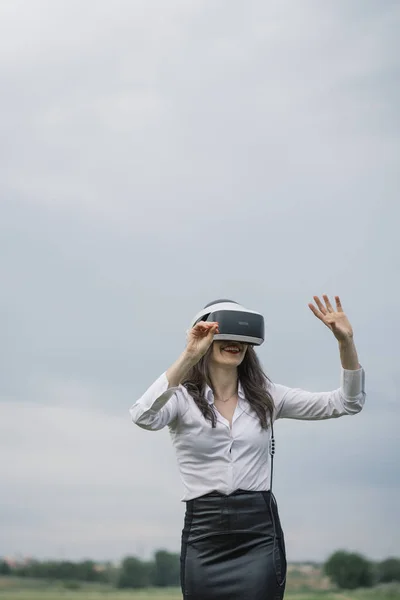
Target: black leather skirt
{"type": "Point", "coordinates": [233, 548]}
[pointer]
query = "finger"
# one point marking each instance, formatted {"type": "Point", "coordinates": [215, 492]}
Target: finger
{"type": "Point", "coordinates": [204, 325]}
{"type": "Point", "coordinates": [319, 315]}
{"type": "Point", "coordinates": [316, 312]}
{"type": "Point", "coordinates": [338, 304]}
{"type": "Point", "coordinates": [204, 329]}
{"type": "Point", "coordinates": [213, 328]}
{"type": "Point", "coordinates": [327, 302]}
{"type": "Point", "coordinates": [200, 330]}
{"type": "Point", "coordinates": [320, 305]}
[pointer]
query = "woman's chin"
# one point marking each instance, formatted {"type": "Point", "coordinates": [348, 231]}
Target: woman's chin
{"type": "Point", "coordinates": [233, 359]}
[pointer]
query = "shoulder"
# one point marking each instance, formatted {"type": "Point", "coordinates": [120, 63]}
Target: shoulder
{"type": "Point", "coordinates": [277, 390]}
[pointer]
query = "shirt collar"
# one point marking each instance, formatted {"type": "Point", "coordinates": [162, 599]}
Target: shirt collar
{"type": "Point", "coordinates": [209, 395]}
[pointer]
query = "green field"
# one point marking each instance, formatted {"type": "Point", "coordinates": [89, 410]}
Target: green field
{"type": "Point", "coordinates": [20, 589]}
{"type": "Point", "coordinates": [56, 594]}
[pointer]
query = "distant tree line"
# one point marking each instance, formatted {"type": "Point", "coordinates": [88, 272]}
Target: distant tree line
{"type": "Point", "coordinates": [345, 569]}
{"type": "Point", "coordinates": [350, 570]}
{"type": "Point", "coordinates": [162, 571]}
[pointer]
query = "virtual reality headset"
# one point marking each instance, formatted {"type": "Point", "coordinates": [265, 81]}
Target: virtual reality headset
{"type": "Point", "coordinates": [236, 323]}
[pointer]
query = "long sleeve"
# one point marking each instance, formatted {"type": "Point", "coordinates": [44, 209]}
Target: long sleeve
{"type": "Point", "coordinates": [158, 407]}
{"type": "Point", "coordinates": [348, 399]}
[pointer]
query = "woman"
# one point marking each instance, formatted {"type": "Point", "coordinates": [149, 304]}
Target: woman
{"type": "Point", "coordinates": [220, 408]}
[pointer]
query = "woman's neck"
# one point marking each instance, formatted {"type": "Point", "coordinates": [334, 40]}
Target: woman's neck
{"type": "Point", "coordinates": [224, 381]}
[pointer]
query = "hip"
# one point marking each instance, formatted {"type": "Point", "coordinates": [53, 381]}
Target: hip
{"type": "Point", "coordinates": [248, 512]}
{"type": "Point", "coordinates": [233, 538]}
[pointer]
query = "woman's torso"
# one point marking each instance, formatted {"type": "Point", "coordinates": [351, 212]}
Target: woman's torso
{"type": "Point", "coordinates": [223, 458]}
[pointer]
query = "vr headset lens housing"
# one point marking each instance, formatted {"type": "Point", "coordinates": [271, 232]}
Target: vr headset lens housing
{"type": "Point", "coordinates": [236, 323]}
{"type": "Point", "coordinates": [238, 326]}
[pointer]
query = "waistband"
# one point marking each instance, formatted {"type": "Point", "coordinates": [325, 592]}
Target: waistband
{"type": "Point", "coordinates": [239, 492]}
{"type": "Point", "coordinates": [235, 493]}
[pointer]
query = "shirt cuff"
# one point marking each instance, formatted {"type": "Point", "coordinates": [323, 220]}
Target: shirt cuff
{"type": "Point", "coordinates": [353, 382]}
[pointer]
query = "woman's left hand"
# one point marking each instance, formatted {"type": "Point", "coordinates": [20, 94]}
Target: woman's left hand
{"type": "Point", "coordinates": [336, 320]}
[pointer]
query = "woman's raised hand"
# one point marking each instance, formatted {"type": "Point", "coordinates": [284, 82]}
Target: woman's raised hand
{"type": "Point", "coordinates": [200, 338]}
{"type": "Point", "coordinates": [335, 319]}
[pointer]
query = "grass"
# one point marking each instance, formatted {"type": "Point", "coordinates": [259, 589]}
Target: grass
{"type": "Point", "coordinates": [150, 595]}
{"type": "Point", "coordinates": [57, 593]}
{"type": "Point", "coordinates": [22, 589]}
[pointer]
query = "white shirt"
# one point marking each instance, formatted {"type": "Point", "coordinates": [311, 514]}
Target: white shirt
{"type": "Point", "coordinates": [227, 458]}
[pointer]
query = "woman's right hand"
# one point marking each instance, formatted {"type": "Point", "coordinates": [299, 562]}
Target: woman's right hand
{"type": "Point", "coordinates": [200, 338]}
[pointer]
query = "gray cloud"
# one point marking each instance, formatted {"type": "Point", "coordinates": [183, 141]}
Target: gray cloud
{"type": "Point", "coordinates": [156, 157]}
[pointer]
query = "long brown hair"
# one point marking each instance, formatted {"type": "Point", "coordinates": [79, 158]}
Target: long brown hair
{"type": "Point", "coordinates": [251, 376]}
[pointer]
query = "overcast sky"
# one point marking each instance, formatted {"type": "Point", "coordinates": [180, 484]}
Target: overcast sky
{"type": "Point", "coordinates": [158, 155]}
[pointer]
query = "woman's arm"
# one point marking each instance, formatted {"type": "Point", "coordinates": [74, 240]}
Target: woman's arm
{"type": "Point", "coordinates": [348, 354]}
{"type": "Point", "coordinates": [177, 372]}
{"type": "Point", "coordinates": [349, 398]}
{"type": "Point", "coordinates": [159, 405]}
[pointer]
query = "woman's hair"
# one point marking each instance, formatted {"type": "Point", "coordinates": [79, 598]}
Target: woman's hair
{"type": "Point", "coordinates": [252, 378]}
